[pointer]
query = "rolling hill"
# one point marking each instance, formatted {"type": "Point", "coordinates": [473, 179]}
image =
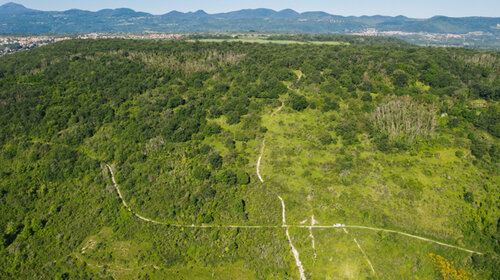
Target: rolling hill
{"type": "Point", "coordinates": [142, 159]}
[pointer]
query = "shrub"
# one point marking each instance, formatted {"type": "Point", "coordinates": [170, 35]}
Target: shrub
{"type": "Point", "coordinates": [232, 117]}
{"type": "Point", "coordinates": [239, 206]}
{"type": "Point", "coordinates": [175, 102]}
{"type": "Point", "coordinates": [211, 128]}
{"type": "Point", "coordinates": [297, 102]}
{"type": "Point", "coordinates": [201, 173]}
{"type": "Point", "coordinates": [329, 105]}
{"type": "Point", "coordinates": [242, 177]}
{"type": "Point", "coordinates": [325, 138]}
{"type": "Point", "coordinates": [469, 197]}
{"type": "Point", "coordinates": [215, 160]}
{"type": "Point", "coordinates": [367, 97]}
{"type": "Point", "coordinates": [478, 148]}
{"type": "Point", "coordinates": [227, 177]}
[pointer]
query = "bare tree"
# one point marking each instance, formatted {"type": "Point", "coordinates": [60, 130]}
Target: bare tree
{"type": "Point", "coordinates": [405, 119]}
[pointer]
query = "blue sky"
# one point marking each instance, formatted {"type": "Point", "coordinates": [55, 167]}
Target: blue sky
{"type": "Point", "coordinates": [415, 8]}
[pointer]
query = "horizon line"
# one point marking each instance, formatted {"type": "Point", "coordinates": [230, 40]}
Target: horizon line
{"type": "Point", "coordinates": [245, 9]}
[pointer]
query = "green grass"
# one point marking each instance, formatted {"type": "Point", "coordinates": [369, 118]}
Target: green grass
{"type": "Point", "coordinates": [396, 191]}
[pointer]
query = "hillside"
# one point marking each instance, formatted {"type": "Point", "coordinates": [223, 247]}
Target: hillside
{"type": "Point", "coordinates": [138, 159]}
{"type": "Point", "coordinates": [19, 19]}
{"type": "Point", "coordinates": [470, 32]}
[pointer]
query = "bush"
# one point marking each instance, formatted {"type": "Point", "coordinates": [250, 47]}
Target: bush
{"type": "Point", "coordinates": [478, 148]}
{"type": "Point", "coordinates": [242, 177]}
{"type": "Point", "coordinates": [239, 206]}
{"type": "Point", "coordinates": [297, 102]}
{"type": "Point", "coordinates": [215, 160]}
{"type": "Point", "coordinates": [201, 173]}
{"type": "Point", "coordinates": [367, 97]}
{"type": "Point", "coordinates": [382, 143]}
{"type": "Point", "coordinates": [227, 177]}
{"type": "Point", "coordinates": [329, 105]}
{"type": "Point", "coordinates": [211, 128]}
{"type": "Point", "coordinates": [175, 102]}
{"type": "Point", "coordinates": [232, 117]}
{"type": "Point", "coordinates": [459, 154]}
{"type": "Point", "coordinates": [469, 197]}
{"type": "Point", "coordinates": [325, 138]}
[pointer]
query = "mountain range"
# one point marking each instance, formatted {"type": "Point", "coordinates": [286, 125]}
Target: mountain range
{"type": "Point", "coordinates": [16, 18]}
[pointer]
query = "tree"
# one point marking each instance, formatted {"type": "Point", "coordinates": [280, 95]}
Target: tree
{"type": "Point", "coordinates": [175, 101]}
{"type": "Point", "coordinates": [297, 102]}
{"type": "Point", "coordinates": [215, 160]}
{"type": "Point", "coordinates": [201, 173]}
{"type": "Point", "coordinates": [227, 177]}
{"type": "Point", "coordinates": [367, 97]}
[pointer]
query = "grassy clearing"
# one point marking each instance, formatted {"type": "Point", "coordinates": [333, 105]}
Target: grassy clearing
{"type": "Point", "coordinates": [359, 185]}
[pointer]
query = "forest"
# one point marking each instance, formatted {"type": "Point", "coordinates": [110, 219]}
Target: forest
{"type": "Point", "coordinates": [375, 133]}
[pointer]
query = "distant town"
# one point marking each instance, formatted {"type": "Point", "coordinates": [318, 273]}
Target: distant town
{"type": "Point", "coordinates": [11, 43]}
{"type": "Point", "coordinates": [14, 43]}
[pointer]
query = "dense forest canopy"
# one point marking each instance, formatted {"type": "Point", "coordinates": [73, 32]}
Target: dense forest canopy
{"type": "Point", "coordinates": [382, 134]}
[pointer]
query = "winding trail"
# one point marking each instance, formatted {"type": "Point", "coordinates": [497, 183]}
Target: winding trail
{"type": "Point", "coordinates": [260, 157]}
{"type": "Point", "coordinates": [284, 225]}
{"type": "Point", "coordinates": [172, 224]}
{"type": "Point", "coordinates": [264, 144]}
{"type": "Point", "coordinates": [294, 251]}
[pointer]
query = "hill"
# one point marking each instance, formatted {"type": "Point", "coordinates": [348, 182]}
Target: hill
{"type": "Point", "coordinates": [476, 32]}
{"type": "Point", "coordinates": [176, 159]}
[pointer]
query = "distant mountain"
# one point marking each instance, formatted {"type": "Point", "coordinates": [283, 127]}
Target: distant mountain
{"type": "Point", "coordinates": [13, 9]}
{"type": "Point", "coordinates": [19, 19]}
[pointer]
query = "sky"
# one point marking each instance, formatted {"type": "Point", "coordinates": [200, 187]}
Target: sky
{"type": "Point", "coordinates": [410, 8]}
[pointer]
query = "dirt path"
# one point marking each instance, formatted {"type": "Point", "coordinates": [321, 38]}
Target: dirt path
{"type": "Point", "coordinates": [393, 231]}
{"type": "Point", "coordinates": [294, 250]}
{"type": "Point", "coordinates": [362, 251]}
{"type": "Point", "coordinates": [312, 236]}
{"type": "Point", "coordinates": [264, 144]}
{"type": "Point", "coordinates": [279, 109]}
{"type": "Point", "coordinates": [258, 161]}
{"type": "Point", "coordinates": [117, 188]}
{"type": "Point", "coordinates": [417, 237]}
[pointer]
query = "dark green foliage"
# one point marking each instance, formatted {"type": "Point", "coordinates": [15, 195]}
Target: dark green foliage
{"type": "Point", "coordinates": [469, 197]}
{"type": "Point", "coordinates": [175, 101]}
{"type": "Point", "coordinates": [211, 128]}
{"type": "Point", "coordinates": [233, 117]}
{"type": "Point", "coordinates": [367, 97]}
{"type": "Point", "coordinates": [242, 177]}
{"type": "Point", "coordinates": [479, 148]}
{"type": "Point", "coordinates": [400, 78]}
{"type": "Point", "coordinates": [154, 110]}
{"type": "Point", "coordinates": [329, 105]}
{"type": "Point", "coordinates": [227, 177]}
{"type": "Point", "coordinates": [201, 173]}
{"type": "Point", "coordinates": [215, 160]}
{"type": "Point", "coordinates": [489, 263]}
{"type": "Point", "coordinates": [325, 138]}
{"type": "Point", "coordinates": [297, 102]}
{"type": "Point", "coordinates": [239, 206]}
{"type": "Point", "coordinates": [490, 120]}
